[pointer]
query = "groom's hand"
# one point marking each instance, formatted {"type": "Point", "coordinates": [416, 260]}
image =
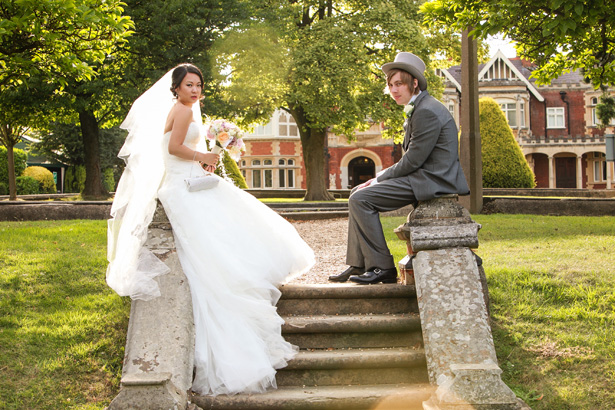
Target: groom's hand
{"type": "Point", "coordinates": [365, 184]}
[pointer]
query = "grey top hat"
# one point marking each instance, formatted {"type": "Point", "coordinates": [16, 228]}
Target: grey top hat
{"type": "Point", "coordinates": [410, 63]}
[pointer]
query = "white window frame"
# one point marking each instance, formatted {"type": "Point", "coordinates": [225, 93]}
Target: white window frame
{"type": "Point", "coordinates": [555, 115]}
{"type": "Point", "coordinates": [507, 110]}
{"type": "Point", "coordinates": [287, 127]}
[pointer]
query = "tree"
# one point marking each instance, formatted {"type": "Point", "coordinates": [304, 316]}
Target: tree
{"type": "Point", "coordinates": [557, 35]}
{"type": "Point", "coordinates": [504, 165]}
{"type": "Point", "coordinates": [52, 43]}
{"type": "Point", "coordinates": [56, 38]}
{"type": "Point", "coordinates": [319, 61]}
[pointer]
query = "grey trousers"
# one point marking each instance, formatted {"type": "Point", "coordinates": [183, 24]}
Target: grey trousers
{"type": "Point", "coordinates": [367, 247]}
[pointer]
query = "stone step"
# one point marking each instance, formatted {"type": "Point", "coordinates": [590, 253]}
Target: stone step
{"type": "Point", "coordinates": [346, 299]}
{"type": "Point", "coordinates": [353, 331]}
{"type": "Point", "coordinates": [354, 366]}
{"type": "Point", "coordinates": [355, 397]}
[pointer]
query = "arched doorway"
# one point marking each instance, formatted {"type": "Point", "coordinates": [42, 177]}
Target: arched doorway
{"type": "Point", "coordinates": [360, 169]}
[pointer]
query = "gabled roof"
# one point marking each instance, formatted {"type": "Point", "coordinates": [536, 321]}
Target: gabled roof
{"type": "Point", "coordinates": [515, 70]}
{"type": "Point", "coordinates": [514, 73]}
{"type": "Point", "coordinates": [442, 72]}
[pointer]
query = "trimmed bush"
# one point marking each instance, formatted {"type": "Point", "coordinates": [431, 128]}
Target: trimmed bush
{"type": "Point", "coordinates": [20, 163]}
{"type": "Point", "coordinates": [233, 172]}
{"type": "Point", "coordinates": [504, 165]}
{"type": "Point", "coordinates": [46, 185]}
{"type": "Point", "coordinates": [26, 185]}
{"type": "Point", "coordinates": [74, 180]}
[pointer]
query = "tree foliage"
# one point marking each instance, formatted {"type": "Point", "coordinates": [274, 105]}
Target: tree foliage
{"type": "Point", "coordinates": [320, 61]}
{"type": "Point", "coordinates": [59, 39]}
{"type": "Point", "coordinates": [504, 165]}
{"type": "Point", "coordinates": [557, 35]}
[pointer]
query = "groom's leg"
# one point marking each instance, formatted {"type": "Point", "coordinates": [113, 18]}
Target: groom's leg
{"type": "Point", "coordinates": [366, 243]}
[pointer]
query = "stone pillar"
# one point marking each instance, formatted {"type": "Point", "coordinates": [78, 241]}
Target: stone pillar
{"type": "Point", "coordinates": [159, 355]}
{"type": "Point", "coordinates": [579, 172]}
{"type": "Point", "coordinates": [551, 172]}
{"type": "Point", "coordinates": [459, 347]}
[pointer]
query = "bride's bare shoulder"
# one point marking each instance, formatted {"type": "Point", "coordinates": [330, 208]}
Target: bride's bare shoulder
{"type": "Point", "coordinates": [180, 113]}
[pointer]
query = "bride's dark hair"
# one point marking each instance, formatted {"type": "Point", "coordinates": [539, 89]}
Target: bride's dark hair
{"type": "Point", "coordinates": [180, 72]}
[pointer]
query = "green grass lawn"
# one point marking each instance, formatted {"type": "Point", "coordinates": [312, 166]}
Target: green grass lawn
{"type": "Point", "coordinates": [551, 279]}
{"type": "Point", "coordinates": [552, 287]}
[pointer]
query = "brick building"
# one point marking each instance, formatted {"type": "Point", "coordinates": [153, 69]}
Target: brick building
{"type": "Point", "coordinates": [555, 125]}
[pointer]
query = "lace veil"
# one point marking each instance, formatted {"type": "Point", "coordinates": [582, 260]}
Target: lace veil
{"type": "Point", "coordinates": [132, 267]}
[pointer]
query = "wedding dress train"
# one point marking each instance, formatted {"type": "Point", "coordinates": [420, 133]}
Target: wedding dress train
{"type": "Point", "coordinates": [234, 251]}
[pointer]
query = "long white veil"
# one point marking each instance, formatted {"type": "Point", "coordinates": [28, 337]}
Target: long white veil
{"type": "Point", "coordinates": [132, 267]}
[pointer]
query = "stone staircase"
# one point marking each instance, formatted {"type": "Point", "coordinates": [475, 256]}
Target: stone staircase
{"type": "Point", "coordinates": [361, 348]}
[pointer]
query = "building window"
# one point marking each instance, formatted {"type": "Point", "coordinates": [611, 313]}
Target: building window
{"type": "Point", "coordinates": [555, 117]}
{"type": "Point", "coordinates": [263, 130]}
{"type": "Point", "coordinates": [510, 112]}
{"type": "Point", "coordinates": [599, 167]}
{"type": "Point", "coordinates": [522, 115]}
{"type": "Point", "coordinates": [286, 174]}
{"type": "Point", "coordinates": [286, 125]}
{"type": "Point", "coordinates": [265, 174]}
{"type": "Point", "coordinates": [256, 178]}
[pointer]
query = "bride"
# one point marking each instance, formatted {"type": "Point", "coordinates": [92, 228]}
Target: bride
{"type": "Point", "coordinates": [233, 249]}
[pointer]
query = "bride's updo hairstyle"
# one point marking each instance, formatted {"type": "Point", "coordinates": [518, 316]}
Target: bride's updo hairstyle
{"type": "Point", "coordinates": [180, 72]}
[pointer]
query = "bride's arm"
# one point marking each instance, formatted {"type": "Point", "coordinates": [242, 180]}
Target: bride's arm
{"type": "Point", "coordinates": [182, 120]}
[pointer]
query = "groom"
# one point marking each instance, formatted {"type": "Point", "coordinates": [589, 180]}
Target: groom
{"type": "Point", "coordinates": [428, 169]}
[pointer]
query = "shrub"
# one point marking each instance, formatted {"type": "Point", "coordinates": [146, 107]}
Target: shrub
{"type": "Point", "coordinates": [74, 181]}
{"type": "Point", "coordinates": [20, 163]}
{"type": "Point", "coordinates": [108, 179]}
{"type": "Point", "coordinates": [232, 171]}
{"type": "Point", "coordinates": [46, 184]}
{"type": "Point", "coordinates": [27, 185]}
{"type": "Point", "coordinates": [4, 189]}
{"type": "Point", "coordinates": [504, 165]}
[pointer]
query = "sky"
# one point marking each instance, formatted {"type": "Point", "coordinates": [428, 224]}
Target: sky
{"type": "Point", "coordinates": [502, 43]}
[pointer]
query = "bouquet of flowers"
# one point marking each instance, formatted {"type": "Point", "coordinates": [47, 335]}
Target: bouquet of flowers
{"type": "Point", "coordinates": [226, 135]}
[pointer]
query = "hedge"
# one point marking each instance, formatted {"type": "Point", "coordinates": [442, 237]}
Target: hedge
{"type": "Point", "coordinates": [20, 157]}
{"type": "Point", "coordinates": [504, 165]}
{"type": "Point", "coordinates": [44, 177]}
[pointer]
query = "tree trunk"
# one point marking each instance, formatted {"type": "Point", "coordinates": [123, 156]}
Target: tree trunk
{"type": "Point", "coordinates": [10, 156]}
{"type": "Point", "coordinates": [7, 137]}
{"type": "Point", "coordinates": [94, 188]}
{"type": "Point", "coordinates": [314, 159]}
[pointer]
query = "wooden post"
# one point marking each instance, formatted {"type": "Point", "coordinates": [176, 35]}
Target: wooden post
{"type": "Point", "coordinates": [470, 149]}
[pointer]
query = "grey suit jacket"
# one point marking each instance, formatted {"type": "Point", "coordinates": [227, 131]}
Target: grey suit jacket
{"type": "Point", "coordinates": [431, 157]}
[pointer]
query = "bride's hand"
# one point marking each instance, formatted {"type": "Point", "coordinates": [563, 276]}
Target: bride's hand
{"type": "Point", "coordinates": [209, 159]}
{"type": "Point", "coordinates": [210, 168]}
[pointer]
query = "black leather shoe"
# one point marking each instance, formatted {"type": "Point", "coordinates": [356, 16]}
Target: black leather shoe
{"type": "Point", "coordinates": [376, 275]}
{"type": "Point", "coordinates": [343, 277]}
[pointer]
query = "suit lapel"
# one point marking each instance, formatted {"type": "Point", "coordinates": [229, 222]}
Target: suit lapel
{"type": "Point", "coordinates": [408, 123]}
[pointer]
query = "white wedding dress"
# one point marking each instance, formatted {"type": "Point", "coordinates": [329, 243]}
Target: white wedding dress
{"type": "Point", "coordinates": [235, 251]}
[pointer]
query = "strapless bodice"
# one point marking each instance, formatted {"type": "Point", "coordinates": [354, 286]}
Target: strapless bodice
{"type": "Point", "coordinates": [174, 164]}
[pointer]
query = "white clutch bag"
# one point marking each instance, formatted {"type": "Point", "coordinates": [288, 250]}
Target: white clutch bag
{"type": "Point", "coordinates": [206, 181]}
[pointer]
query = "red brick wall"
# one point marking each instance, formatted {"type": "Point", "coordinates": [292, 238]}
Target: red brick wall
{"type": "Point", "coordinates": [577, 112]}
{"type": "Point", "coordinates": [574, 113]}
{"type": "Point", "coordinates": [537, 116]}
{"type": "Point", "coordinates": [288, 148]}
{"type": "Point", "coordinates": [261, 147]}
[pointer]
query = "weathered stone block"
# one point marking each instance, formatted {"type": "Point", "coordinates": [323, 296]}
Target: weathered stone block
{"type": "Point", "coordinates": [160, 339]}
{"type": "Point", "coordinates": [453, 313]}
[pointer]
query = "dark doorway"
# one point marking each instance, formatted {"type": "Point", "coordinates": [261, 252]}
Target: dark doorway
{"type": "Point", "coordinates": [361, 169]}
{"type": "Point", "coordinates": [566, 172]}
{"type": "Point", "coordinates": [541, 170]}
